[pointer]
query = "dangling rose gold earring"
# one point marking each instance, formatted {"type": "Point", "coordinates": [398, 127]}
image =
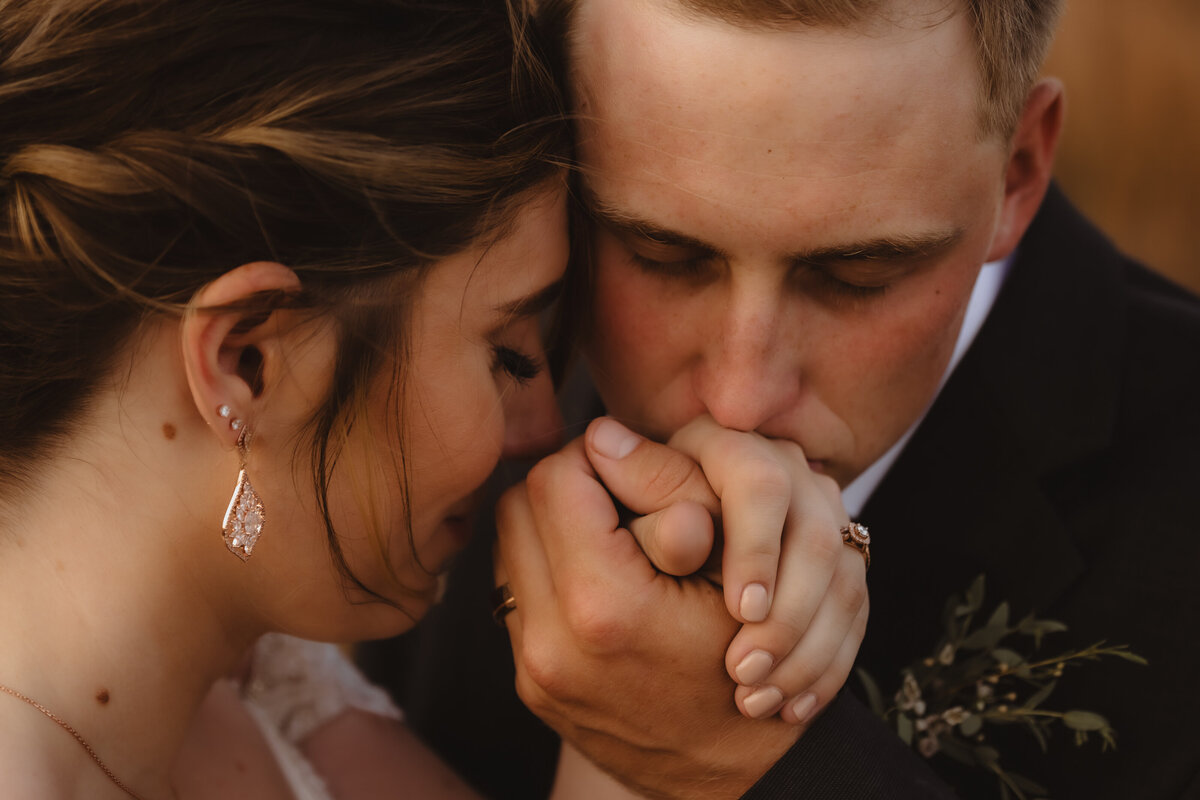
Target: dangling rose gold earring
{"type": "Point", "coordinates": [245, 517]}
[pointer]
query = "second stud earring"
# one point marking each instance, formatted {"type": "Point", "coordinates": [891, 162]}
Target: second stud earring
{"type": "Point", "coordinates": [225, 412]}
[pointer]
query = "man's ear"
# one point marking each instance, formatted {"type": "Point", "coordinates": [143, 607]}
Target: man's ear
{"type": "Point", "coordinates": [1030, 164]}
{"type": "Point", "coordinates": [227, 339]}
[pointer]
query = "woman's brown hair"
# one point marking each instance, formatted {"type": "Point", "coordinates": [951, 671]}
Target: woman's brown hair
{"type": "Point", "coordinates": [148, 146]}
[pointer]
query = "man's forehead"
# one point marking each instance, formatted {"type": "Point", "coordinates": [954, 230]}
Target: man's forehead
{"type": "Point", "coordinates": [618, 46]}
{"type": "Point", "coordinates": [641, 56]}
{"type": "Point", "coordinates": [729, 104]}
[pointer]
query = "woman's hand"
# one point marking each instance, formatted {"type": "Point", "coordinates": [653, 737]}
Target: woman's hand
{"type": "Point", "coordinates": [786, 572]}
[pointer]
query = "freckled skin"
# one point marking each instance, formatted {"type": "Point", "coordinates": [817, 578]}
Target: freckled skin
{"type": "Point", "coordinates": [761, 144]}
{"type": "Point", "coordinates": [102, 697]}
{"type": "Point", "coordinates": [168, 431]}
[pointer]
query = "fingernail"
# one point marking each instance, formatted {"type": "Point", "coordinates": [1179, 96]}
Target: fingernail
{"type": "Point", "coordinates": [612, 439]}
{"type": "Point", "coordinates": [763, 702]}
{"type": "Point", "coordinates": [755, 667]}
{"type": "Point", "coordinates": [804, 707]}
{"type": "Point", "coordinates": [754, 605]}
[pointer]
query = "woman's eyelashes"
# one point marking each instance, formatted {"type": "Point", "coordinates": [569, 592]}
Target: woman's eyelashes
{"type": "Point", "coordinates": [517, 365]}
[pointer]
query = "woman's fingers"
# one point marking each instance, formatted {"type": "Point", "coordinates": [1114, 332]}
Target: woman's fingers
{"type": "Point", "coordinates": [754, 477]}
{"type": "Point", "coordinates": [818, 665]}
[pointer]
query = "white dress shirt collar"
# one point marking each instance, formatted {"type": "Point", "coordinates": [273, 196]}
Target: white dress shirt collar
{"type": "Point", "coordinates": [983, 297]}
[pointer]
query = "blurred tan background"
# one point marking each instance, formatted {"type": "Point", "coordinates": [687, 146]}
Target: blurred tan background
{"type": "Point", "coordinates": [1130, 155]}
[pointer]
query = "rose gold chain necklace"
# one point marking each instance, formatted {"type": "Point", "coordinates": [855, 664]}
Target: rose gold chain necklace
{"type": "Point", "coordinates": [82, 742]}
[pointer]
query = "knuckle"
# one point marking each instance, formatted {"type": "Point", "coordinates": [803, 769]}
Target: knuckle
{"type": "Point", "coordinates": [754, 555]}
{"type": "Point", "coordinates": [593, 618]}
{"type": "Point", "coordinates": [783, 629]}
{"type": "Point", "coordinates": [827, 486]}
{"type": "Point", "coordinates": [824, 545]}
{"type": "Point", "coordinates": [799, 676]}
{"type": "Point", "coordinates": [669, 476]}
{"type": "Point", "coordinates": [767, 478]}
{"type": "Point", "coordinates": [832, 493]}
{"type": "Point", "coordinates": [790, 449]}
{"type": "Point", "coordinates": [541, 477]}
{"type": "Point", "coordinates": [542, 674]}
{"type": "Point", "coordinates": [734, 446]}
{"type": "Point", "coordinates": [553, 483]}
{"type": "Point", "coordinates": [512, 501]}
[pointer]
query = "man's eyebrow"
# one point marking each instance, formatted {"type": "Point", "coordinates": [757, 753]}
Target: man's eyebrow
{"type": "Point", "coordinates": [621, 222]}
{"type": "Point", "coordinates": [533, 304]}
{"type": "Point", "coordinates": [884, 248]}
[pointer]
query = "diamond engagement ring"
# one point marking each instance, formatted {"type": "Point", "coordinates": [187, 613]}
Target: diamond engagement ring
{"type": "Point", "coordinates": [858, 537]}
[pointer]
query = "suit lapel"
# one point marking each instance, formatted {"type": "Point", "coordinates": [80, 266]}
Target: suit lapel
{"type": "Point", "coordinates": [974, 490]}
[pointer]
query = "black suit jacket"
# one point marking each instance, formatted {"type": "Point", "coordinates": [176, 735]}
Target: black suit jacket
{"type": "Point", "coordinates": [1062, 459]}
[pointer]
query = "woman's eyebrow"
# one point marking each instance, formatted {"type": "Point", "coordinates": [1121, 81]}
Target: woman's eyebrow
{"type": "Point", "coordinates": [533, 304]}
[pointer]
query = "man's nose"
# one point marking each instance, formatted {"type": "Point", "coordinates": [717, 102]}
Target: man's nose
{"type": "Point", "coordinates": [748, 373]}
{"type": "Point", "coordinates": [533, 425]}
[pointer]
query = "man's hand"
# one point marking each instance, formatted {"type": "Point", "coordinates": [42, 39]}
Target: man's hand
{"type": "Point", "coordinates": [786, 571]}
{"type": "Point", "coordinates": [619, 658]}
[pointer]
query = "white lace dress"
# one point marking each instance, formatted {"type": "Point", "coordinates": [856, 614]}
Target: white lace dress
{"type": "Point", "coordinates": [294, 687]}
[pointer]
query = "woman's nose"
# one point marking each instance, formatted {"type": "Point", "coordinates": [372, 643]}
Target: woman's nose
{"type": "Point", "coordinates": [533, 424]}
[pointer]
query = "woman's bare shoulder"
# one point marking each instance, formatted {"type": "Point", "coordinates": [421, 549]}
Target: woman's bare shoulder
{"type": "Point", "coordinates": [225, 754]}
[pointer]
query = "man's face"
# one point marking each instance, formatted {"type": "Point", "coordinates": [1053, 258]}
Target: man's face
{"type": "Point", "coordinates": [789, 223]}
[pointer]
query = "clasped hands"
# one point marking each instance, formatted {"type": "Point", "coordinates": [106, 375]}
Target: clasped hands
{"type": "Point", "coordinates": [623, 640]}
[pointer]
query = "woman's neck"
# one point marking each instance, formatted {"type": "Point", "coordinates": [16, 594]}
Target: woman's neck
{"type": "Point", "coordinates": [113, 615]}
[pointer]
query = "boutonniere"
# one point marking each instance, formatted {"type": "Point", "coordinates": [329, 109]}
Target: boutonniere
{"type": "Point", "coordinates": [979, 676]}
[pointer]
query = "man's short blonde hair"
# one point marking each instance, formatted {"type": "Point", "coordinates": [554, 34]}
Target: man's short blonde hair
{"type": "Point", "coordinates": [1011, 36]}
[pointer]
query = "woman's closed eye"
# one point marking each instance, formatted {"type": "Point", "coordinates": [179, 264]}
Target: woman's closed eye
{"type": "Point", "coordinates": [517, 365]}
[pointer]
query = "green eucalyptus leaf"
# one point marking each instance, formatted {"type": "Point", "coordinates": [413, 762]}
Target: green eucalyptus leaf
{"type": "Point", "coordinates": [1040, 695]}
{"type": "Point", "coordinates": [1031, 625]}
{"type": "Point", "coordinates": [987, 755]}
{"type": "Point", "coordinates": [1006, 782]}
{"type": "Point", "coordinates": [1084, 721]}
{"type": "Point", "coordinates": [971, 725]}
{"type": "Point", "coordinates": [999, 616]}
{"type": "Point", "coordinates": [951, 610]}
{"type": "Point", "coordinates": [985, 638]}
{"type": "Point", "coordinates": [1026, 784]}
{"type": "Point", "coordinates": [874, 697]}
{"type": "Point", "coordinates": [1128, 656]}
{"type": "Point", "coordinates": [975, 593]}
{"type": "Point", "coordinates": [1037, 628]}
{"type": "Point", "coordinates": [1006, 656]}
{"type": "Point", "coordinates": [904, 728]}
{"type": "Point", "coordinates": [1036, 729]}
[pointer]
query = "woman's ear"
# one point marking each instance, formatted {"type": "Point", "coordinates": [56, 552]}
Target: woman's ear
{"type": "Point", "coordinates": [227, 339]}
{"type": "Point", "coordinates": [1030, 164]}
